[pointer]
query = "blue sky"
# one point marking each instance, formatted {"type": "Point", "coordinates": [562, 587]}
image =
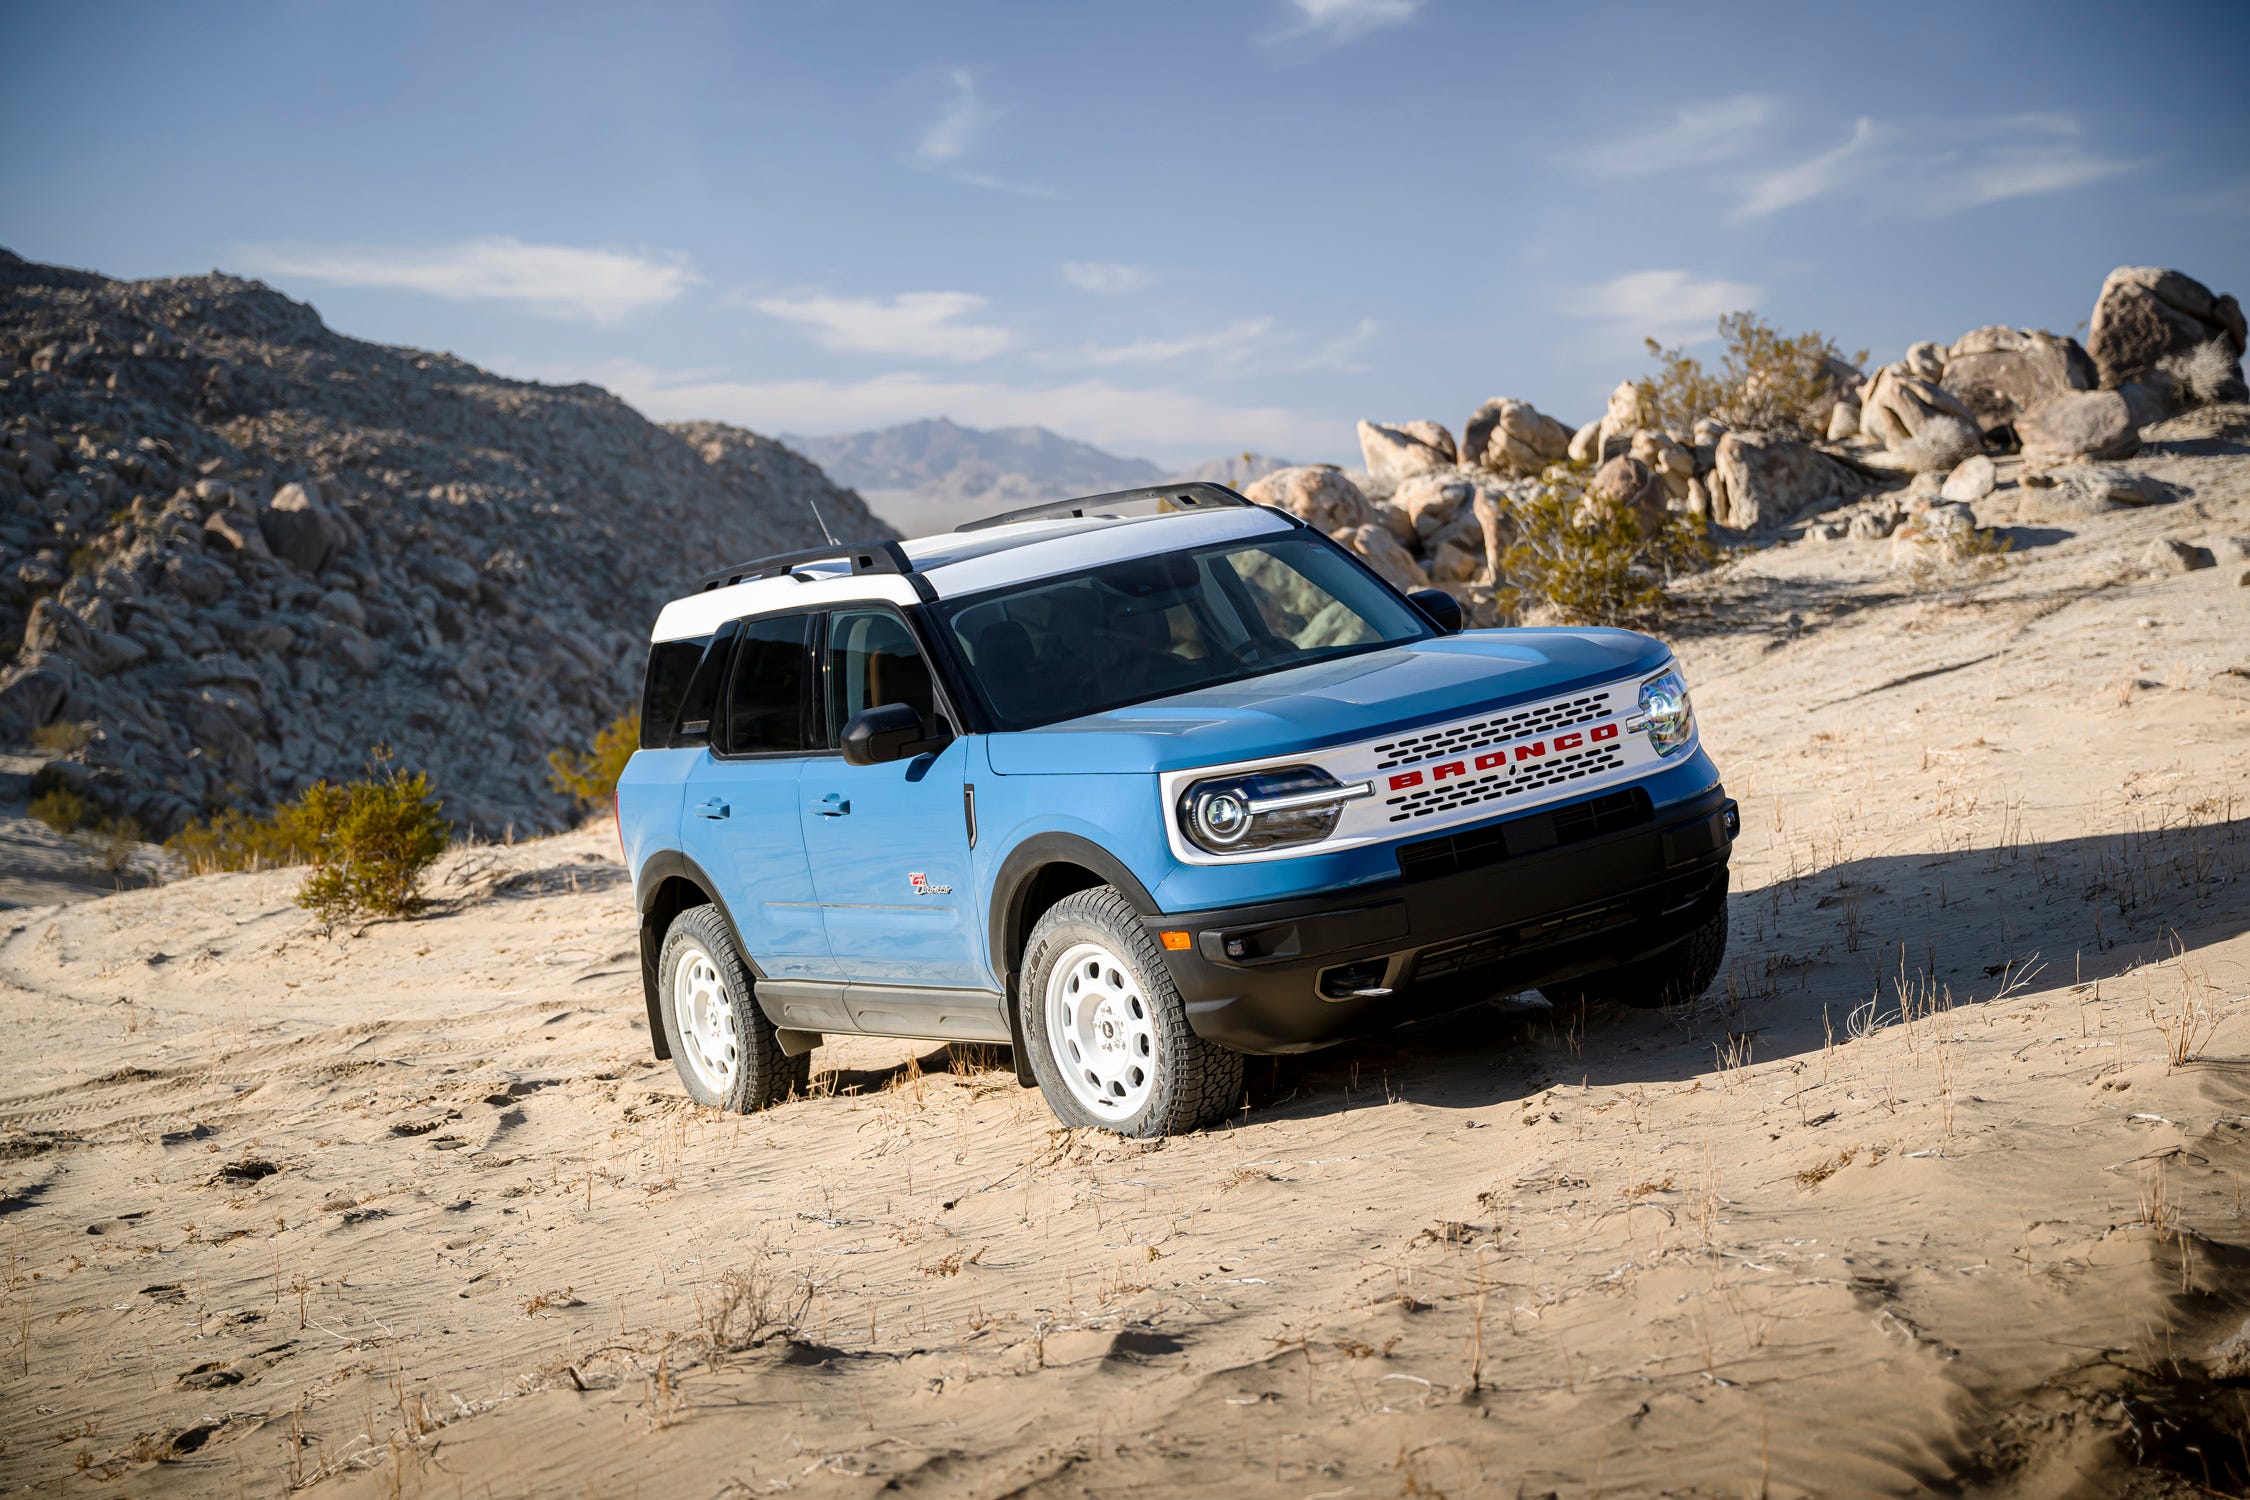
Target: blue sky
{"type": "Point", "coordinates": [1173, 229]}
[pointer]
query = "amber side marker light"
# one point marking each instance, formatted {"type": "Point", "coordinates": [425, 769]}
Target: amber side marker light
{"type": "Point", "coordinates": [1177, 942]}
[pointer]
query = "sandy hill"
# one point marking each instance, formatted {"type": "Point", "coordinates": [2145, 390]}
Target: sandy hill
{"type": "Point", "coordinates": [241, 548]}
{"type": "Point", "coordinates": [1939, 1191]}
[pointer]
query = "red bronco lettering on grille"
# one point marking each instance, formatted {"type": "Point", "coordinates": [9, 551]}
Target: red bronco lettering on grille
{"type": "Point", "coordinates": [1497, 760]}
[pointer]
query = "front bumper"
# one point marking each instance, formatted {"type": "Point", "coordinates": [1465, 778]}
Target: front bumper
{"type": "Point", "coordinates": [1503, 906]}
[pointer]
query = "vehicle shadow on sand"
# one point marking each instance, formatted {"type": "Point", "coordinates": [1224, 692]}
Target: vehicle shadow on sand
{"type": "Point", "coordinates": [1816, 958]}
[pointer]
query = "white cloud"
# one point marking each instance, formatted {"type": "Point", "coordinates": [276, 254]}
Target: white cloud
{"type": "Point", "coordinates": [1666, 305]}
{"type": "Point", "coordinates": [1230, 345]}
{"type": "Point", "coordinates": [2023, 172]}
{"type": "Point", "coordinates": [1105, 278]}
{"type": "Point", "coordinates": [1338, 354]}
{"type": "Point", "coordinates": [958, 124]}
{"type": "Point", "coordinates": [1338, 21]}
{"type": "Point", "coordinates": [1696, 136]}
{"type": "Point", "coordinates": [1169, 424]}
{"type": "Point", "coordinates": [1814, 177]}
{"type": "Point", "coordinates": [557, 281]}
{"type": "Point", "coordinates": [914, 325]}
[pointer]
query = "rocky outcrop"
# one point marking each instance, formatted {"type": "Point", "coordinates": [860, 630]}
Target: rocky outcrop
{"type": "Point", "coordinates": [2146, 315]}
{"type": "Point", "coordinates": [1628, 484]}
{"type": "Point", "coordinates": [1627, 414]}
{"type": "Point", "coordinates": [1317, 494]}
{"type": "Point", "coordinates": [1996, 371]}
{"type": "Point", "coordinates": [1922, 425]}
{"type": "Point", "coordinates": [1514, 437]}
{"type": "Point", "coordinates": [2074, 425]}
{"type": "Point", "coordinates": [1395, 454]}
{"type": "Point", "coordinates": [240, 549]}
{"type": "Point", "coordinates": [1761, 480]}
{"type": "Point", "coordinates": [1384, 554]}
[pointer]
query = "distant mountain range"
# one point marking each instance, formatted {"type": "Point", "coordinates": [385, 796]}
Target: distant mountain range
{"type": "Point", "coordinates": [933, 475]}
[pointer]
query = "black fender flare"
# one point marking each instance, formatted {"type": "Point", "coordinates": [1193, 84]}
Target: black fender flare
{"type": "Point", "coordinates": [669, 864]}
{"type": "Point", "coordinates": [1012, 882]}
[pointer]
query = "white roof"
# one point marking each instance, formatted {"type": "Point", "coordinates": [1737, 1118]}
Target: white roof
{"type": "Point", "coordinates": [969, 562]}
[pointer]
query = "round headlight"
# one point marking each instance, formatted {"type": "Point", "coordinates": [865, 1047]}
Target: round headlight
{"type": "Point", "coordinates": [1221, 817]}
{"type": "Point", "coordinates": [1666, 712]}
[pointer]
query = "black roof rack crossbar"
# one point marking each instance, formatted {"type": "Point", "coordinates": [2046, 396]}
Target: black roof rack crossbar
{"type": "Point", "coordinates": [864, 557]}
{"type": "Point", "coordinates": [1194, 494]}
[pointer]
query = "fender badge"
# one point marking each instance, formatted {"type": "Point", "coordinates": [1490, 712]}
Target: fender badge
{"type": "Point", "coordinates": [922, 886]}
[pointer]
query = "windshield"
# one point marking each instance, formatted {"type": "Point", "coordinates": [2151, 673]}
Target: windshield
{"type": "Point", "coordinates": [1150, 627]}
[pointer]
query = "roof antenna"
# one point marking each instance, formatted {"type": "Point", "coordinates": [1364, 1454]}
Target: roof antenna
{"type": "Point", "coordinates": [817, 521]}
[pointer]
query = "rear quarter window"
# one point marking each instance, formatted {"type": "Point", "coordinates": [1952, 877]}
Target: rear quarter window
{"type": "Point", "coordinates": [671, 667]}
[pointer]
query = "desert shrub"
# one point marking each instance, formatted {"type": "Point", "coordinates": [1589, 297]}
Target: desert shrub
{"type": "Point", "coordinates": [368, 842]}
{"type": "Point", "coordinates": [2205, 373]}
{"type": "Point", "coordinates": [1583, 562]}
{"type": "Point", "coordinates": [1769, 381]}
{"type": "Point", "coordinates": [590, 776]}
{"type": "Point", "coordinates": [371, 841]}
{"type": "Point", "coordinates": [60, 808]}
{"type": "Point", "coordinates": [60, 738]}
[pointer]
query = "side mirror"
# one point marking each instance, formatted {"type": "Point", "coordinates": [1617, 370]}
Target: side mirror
{"type": "Point", "coordinates": [887, 732]}
{"type": "Point", "coordinates": [1443, 609]}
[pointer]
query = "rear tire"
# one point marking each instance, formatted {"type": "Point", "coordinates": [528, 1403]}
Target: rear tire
{"type": "Point", "coordinates": [721, 1042]}
{"type": "Point", "coordinates": [1106, 1030]}
{"type": "Point", "coordinates": [1669, 976]}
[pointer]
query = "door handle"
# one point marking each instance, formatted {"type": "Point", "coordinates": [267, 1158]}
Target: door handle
{"type": "Point", "coordinates": [712, 809]}
{"type": "Point", "coordinates": [834, 805]}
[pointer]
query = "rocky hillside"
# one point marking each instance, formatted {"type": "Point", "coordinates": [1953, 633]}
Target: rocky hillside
{"type": "Point", "coordinates": [238, 549]}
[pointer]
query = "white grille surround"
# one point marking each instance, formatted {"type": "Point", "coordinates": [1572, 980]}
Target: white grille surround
{"type": "Point", "coordinates": [1489, 764]}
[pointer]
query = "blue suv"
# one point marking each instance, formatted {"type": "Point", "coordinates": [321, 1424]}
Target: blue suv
{"type": "Point", "coordinates": [1137, 794]}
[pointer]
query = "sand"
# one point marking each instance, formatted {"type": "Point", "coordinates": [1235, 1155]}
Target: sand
{"type": "Point", "coordinates": [1940, 1189]}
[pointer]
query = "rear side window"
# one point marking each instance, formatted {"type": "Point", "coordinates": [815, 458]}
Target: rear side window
{"type": "Point", "coordinates": [766, 696]}
{"type": "Point", "coordinates": [671, 667]}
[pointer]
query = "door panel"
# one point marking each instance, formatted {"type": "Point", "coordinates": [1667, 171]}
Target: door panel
{"type": "Point", "coordinates": [739, 819]}
{"type": "Point", "coordinates": [889, 844]}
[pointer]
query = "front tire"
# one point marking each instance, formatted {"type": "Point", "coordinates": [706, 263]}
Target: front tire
{"type": "Point", "coordinates": [1669, 976]}
{"type": "Point", "coordinates": [721, 1042]}
{"type": "Point", "coordinates": [1106, 1030]}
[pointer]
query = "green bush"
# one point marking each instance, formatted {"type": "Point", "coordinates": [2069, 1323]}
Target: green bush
{"type": "Point", "coordinates": [1769, 382]}
{"type": "Point", "coordinates": [1580, 561]}
{"type": "Point", "coordinates": [60, 808]}
{"type": "Point", "coordinates": [590, 776]}
{"type": "Point", "coordinates": [368, 842]}
{"type": "Point", "coordinates": [371, 841]}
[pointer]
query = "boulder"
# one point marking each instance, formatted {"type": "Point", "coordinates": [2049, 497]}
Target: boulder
{"type": "Point", "coordinates": [1497, 520]}
{"type": "Point", "coordinates": [1457, 554]}
{"type": "Point", "coordinates": [233, 530]}
{"type": "Point", "coordinates": [2073, 425]}
{"type": "Point", "coordinates": [1514, 437]}
{"type": "Point", "coordinates": [457, 580]}
{"type": "Point", "coordinates": [1843, 421]}
{"type": "Point", "coordinates": [1432, 501]}
{"type": "Point", "coordinates": [342, 606]}
{"type": "Point", "coordinates": [1998, 372]}
{"type": "Point", "coordinates": [1926, 360]}
{"type": "Point", "coordinates": [32, 693]}
{"type": "Point", "coordinates": [2168, 554]}
{"type": "Point", "coordinates": [1627, 483]}
{"type": "Point", "coordinates": [199, 580]}
{"type": "Point", "coordinates": [2145, 314]}
{"type": "Point", "coordinates": [1763, 479]}
{"type": "Point", "coordinates": [1628, 413]}
{"type": "Point", "coordinates": [1971, 479]}
{"type": "Point", "coordinates": [1385, 556]}
{"type": "Point", "coordinates": [1394, 520]}
{"type": "Point", "coordinates": [1584, 441]}
{"type": "Point", "coordinates": [1671, 459]}
{"type": "Point", "coordinates": [300, 530]}
{"type": "Point", "coordinates": [1395, 454]}
{"type": "Point", "coordinates": [1922, 424]}
{"type": "Point", "coordinates": [1317, 494]}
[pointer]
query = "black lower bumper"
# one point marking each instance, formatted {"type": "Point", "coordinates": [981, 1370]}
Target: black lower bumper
{"type": "Point", "coordinates": [1541, 898]}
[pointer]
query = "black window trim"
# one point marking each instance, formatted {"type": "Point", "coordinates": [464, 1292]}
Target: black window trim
{"type": "Point", "coordinates": [813, 699]}
{"type": "Point", "coordinates": [943, 699]}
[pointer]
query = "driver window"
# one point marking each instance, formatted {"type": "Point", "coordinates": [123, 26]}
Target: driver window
{"type": "Point", "coordinates": [872, 659]}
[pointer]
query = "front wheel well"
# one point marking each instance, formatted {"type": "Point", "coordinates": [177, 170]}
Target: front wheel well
{"type": "Point", "coordinates": [1048, 885]}
{"type": "Point", "coordinates": [674, 895]}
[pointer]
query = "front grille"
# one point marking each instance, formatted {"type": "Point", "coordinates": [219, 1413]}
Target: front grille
{"type": "Point", "coordinates": [1449, 854]}
{"type": "Point", "coordinates": [1497, 730]}
{"type": "Point", "coordinates": [1531, 776]}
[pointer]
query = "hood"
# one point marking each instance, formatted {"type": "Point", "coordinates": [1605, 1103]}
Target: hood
{"type": "Point", "coordinates": [1329, 703]}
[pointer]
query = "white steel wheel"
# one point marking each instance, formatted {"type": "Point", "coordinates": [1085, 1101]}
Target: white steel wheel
{"type": "Point", "coordinates": [1099, 1031]}
{"type": "Point", "coordinates": [710, 1043]}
